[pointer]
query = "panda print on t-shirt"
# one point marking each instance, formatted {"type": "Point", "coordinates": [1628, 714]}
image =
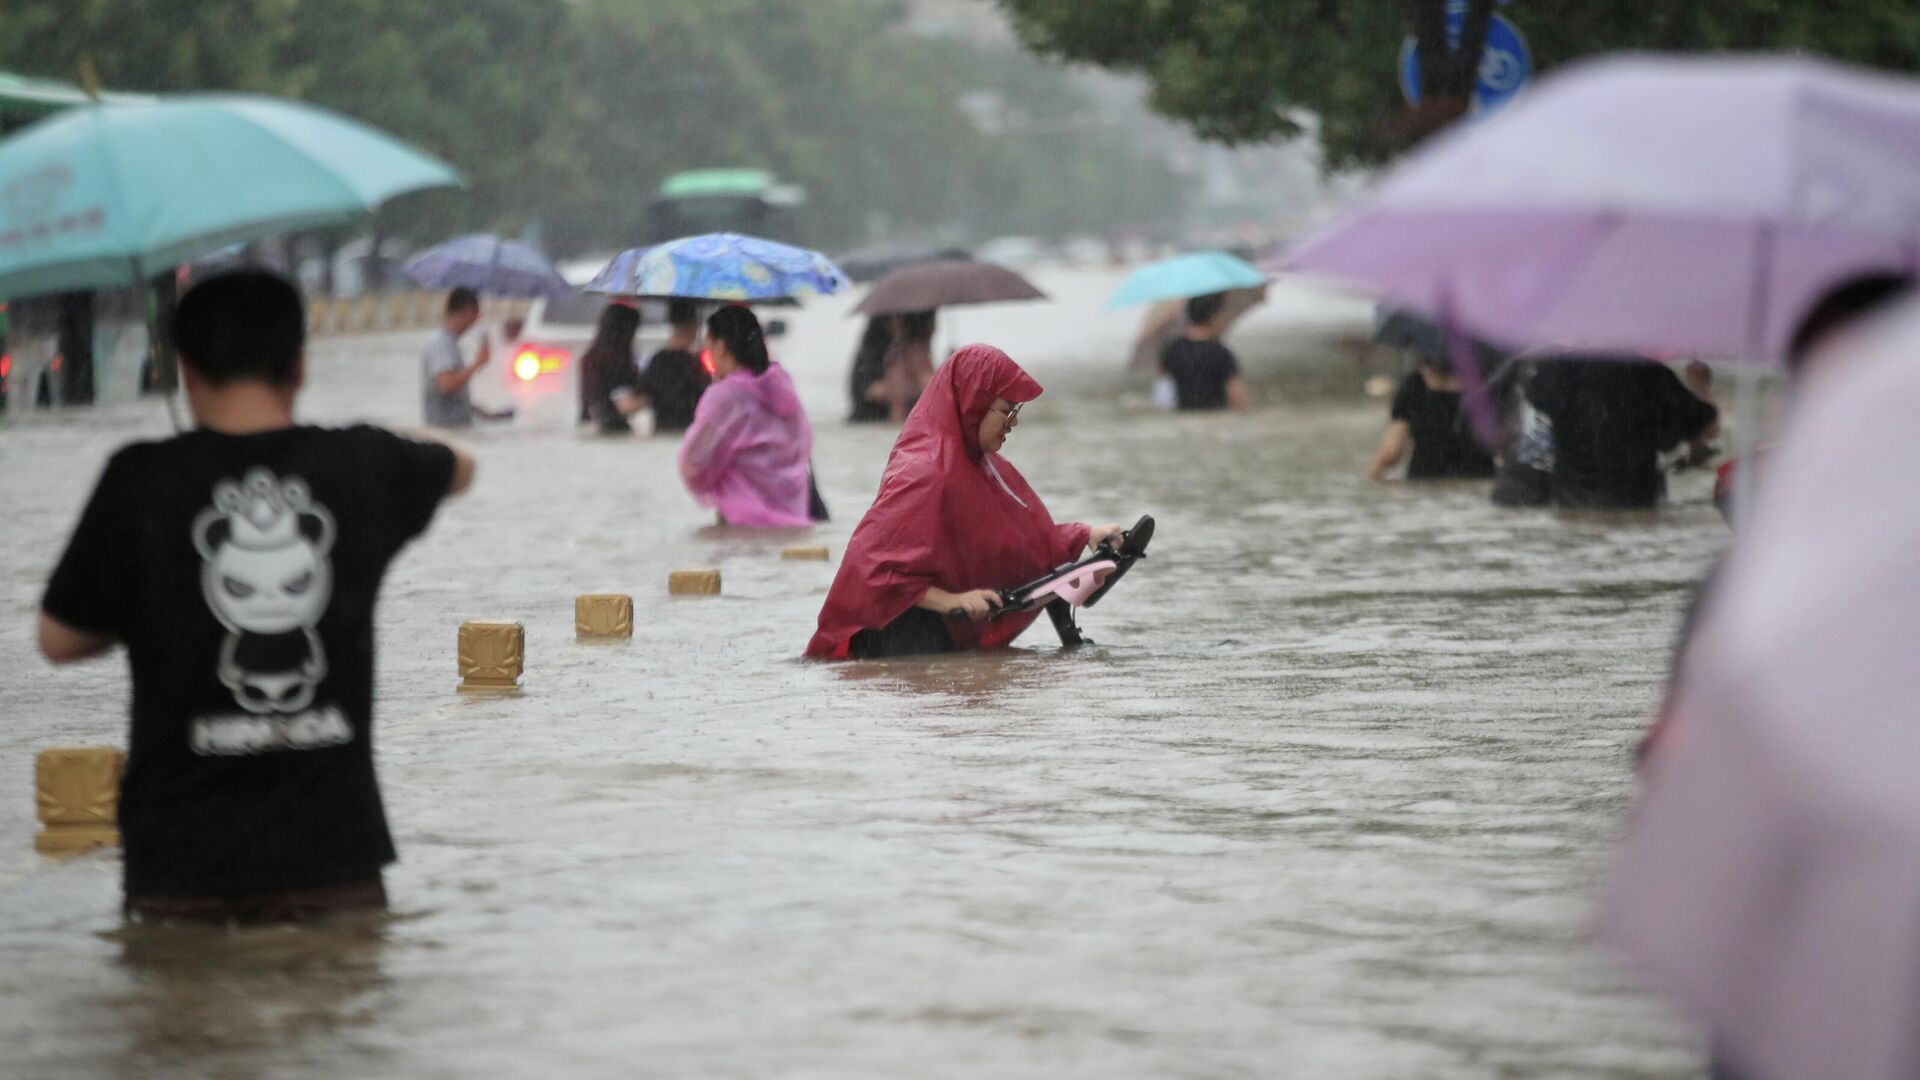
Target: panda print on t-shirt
{"type": "Point", "coordinates": [266, 575]}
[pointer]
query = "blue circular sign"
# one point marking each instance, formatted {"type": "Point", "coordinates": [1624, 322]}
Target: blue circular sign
{"type": "Point", "coordinates": [1505, 66]}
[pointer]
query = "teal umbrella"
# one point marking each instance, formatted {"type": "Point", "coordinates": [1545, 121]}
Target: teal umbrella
{"type": "Point", "coordinates": [1193, 274]}
{"type": "Point", "coordinates": [109, 195]}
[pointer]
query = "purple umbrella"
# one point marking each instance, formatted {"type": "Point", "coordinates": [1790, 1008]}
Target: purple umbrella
{"type": "Point", "coordinates": [1646, 204]}
{"type": "Point", "coordinates": [1770, 877]}
{"type": "Point", "coordinates": [489, 265]}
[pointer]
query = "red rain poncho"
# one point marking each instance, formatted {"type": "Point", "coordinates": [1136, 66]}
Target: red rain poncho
{"type": "Point", "coordinates": [947, 515]}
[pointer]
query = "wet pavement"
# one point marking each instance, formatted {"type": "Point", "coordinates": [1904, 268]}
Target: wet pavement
{"type": "Point", "coordinates": [1326, 800]}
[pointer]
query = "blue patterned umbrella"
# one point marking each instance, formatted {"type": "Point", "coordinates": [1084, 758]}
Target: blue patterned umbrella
{"type": "Point", "coordinates": [719, 266]}
{"type": "Point", "coordinates": [490, 265]}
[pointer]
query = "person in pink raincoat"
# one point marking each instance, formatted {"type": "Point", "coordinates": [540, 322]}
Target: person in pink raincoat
{"type": "Point", "coordinates": [746, 453]}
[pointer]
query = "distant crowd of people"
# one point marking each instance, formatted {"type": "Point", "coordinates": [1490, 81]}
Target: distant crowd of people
{"type": "Point", "coordinates": [1575, 431]}
{"type": "Point", "coordinates": [239, 563]}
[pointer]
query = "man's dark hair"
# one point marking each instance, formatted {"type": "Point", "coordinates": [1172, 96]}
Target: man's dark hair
{"type": "Point", "coordinates": [462, 299]}
{"type": "Point", "coordinates": [681, 311]}
{"type": "Point", "coordinates": [242, 324]}
{"type": "Point", "coordinates": [740, 329]}
{"type": "Point", "coordinates": [1855, 298]}
{"type": "Point", "coordinates": [1202, 309]}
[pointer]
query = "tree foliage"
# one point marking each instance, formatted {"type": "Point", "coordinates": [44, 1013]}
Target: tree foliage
{"type": "Point", "coordinates": [568, 113]}
{"type": "Point", "coordinates": [1253, 70]}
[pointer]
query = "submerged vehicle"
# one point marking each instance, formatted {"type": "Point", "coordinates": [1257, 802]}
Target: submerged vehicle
{"type": "Point", "coordinates": [748, 201]}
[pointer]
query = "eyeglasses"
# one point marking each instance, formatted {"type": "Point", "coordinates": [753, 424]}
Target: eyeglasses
{"type": "Point", "coordinates": [1012, 413]}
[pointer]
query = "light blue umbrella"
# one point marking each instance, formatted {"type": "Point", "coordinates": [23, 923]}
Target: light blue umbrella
{"type": "Point", "coordinates": [1196, 273]}
{"type": "Point", "coordinates": [719, 266]}
{"type": "Point", "coordinates": [487, 264]}
{"type": "Point", "coordinates": [109, 195]}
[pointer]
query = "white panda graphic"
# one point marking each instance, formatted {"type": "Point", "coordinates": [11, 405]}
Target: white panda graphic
{"type": "Point", "coordinates": [267, 578]}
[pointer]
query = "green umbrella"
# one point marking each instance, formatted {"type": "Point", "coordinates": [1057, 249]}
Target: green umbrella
{"type": "Point", "coordinates": [109, 195]}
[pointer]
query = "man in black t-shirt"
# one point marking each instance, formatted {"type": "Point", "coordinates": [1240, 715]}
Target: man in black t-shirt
{"type": "Point", "coordinates": [1204, 372]}
{"type": "Point", "coordinates": [675, 378]}
{"type": "Point", "coordinates": [1612, 418]}
{"type": "Point", "coordinates": [239, 564]}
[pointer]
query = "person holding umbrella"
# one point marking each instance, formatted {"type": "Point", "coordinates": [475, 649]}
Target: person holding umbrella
{"type": "Point", "coordinates": [908, 299]}
{"type": "Point", "coordinates": [675, 379]}
{"type": "Point", "coordinates": [908, 366]}
{"type": "Point", "coordinates": [866, 383]}
{"type": "Point", "coordinates": [1205, 373]}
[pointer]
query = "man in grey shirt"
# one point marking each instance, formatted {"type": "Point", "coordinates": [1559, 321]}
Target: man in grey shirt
{"type": "Point", "coordinates": [444, 372]}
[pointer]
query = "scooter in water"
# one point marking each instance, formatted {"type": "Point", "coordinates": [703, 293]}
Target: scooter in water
{"type": "Point", "coordinates": [1076, 584]}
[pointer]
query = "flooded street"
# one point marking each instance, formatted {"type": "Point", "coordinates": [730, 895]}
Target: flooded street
{"type": "Point", "coordinates": [1327, 799]}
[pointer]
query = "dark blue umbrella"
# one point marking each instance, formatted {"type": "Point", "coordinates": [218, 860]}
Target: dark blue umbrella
{"type": "Point", "coordinates": [490, 265]}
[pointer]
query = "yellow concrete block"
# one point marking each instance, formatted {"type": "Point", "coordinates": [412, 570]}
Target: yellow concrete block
{"type": "Point", "coordinates": [77, 794]}
{"type": "Point", "coordinates": [603, 615]}
{"type": "Point", "coordinates": [694, 583]}
{"type": "Point", "coordinates": [808, 554]}
{"type": "Point", "coordinates": [492, 656]}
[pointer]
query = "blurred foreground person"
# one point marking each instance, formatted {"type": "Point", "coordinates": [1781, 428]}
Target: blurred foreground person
{"type": "Point", "coordinates": [1771, 873]}
{"type": "Point", "coordinates": [954, 521]}
{"type": "Point", "coordinates": [1612, 418]}
{"type": "Point", "coordinates": [674, 378]}
{"type": "Point", "coordinates": [609, 381]}
{"type": "Point", "coordinates": [1204, 372]}
{"type": "Point", "coordinates": [239, 564]}
{"type": "Point", "coordinates": [1827, 328]}
{"type": "Point", "coordinates": [746, 453]}
{"type": "Point", "coordinates": [1427, 420]}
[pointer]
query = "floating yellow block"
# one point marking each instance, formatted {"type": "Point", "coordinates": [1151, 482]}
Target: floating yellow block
{"type": "Point", "coordinates": [492, 656]}
{"type": "Point", "coordinates": [603, 615]}
{"type": "Point", "coordinates": [694, 583]}
{"type": "Point", "coordinates": [808, 554]}
{"type": "Point", "coordinates": [77, 790]}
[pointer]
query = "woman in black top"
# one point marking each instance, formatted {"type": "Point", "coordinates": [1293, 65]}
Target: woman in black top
{"type": "Point", "coordinates": [867, 382]}
{"type": "Point", "coordinates": [1426, 418]}
{"type": "Point", "coordinates": [609, 384]}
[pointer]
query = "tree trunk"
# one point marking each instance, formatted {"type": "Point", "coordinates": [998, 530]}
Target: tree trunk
{"type": "Point", "coordinates": [377, 263]}
{"type": "Point", "coordinates": [76, 348]}
{"type": "Point", "coordinates": [163, 362]}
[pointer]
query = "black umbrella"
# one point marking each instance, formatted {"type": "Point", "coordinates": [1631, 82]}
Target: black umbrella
{"type": "Point", "coordinates": [946, 284]}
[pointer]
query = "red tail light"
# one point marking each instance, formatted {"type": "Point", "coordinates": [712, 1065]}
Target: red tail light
{"type": "Point", "coordinates": [532, 362]}
{"type": "Point", "coordinates": [706, 361]}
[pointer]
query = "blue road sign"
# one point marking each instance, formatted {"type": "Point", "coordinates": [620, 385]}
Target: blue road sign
{"type": "Point", "coordinates": [1505, 66]}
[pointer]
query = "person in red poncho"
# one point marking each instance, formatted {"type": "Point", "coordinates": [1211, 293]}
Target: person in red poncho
{"type": "Point", "coordinates": [953, 523]}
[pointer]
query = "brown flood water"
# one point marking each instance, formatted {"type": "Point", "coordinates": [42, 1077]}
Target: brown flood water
{"type": "Point", "coordinates": [1327, 799]}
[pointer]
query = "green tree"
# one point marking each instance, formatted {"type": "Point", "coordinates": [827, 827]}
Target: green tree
{"type": "Point", "coordinates": [161, 45]}
{"type": "Point", "coordinates": [570, 112]}
{"type": "Point", "coordinates": [1253, 70]}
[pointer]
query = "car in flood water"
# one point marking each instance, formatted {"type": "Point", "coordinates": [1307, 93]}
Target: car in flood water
{"type": "Point", "coordinates": [537, 371]}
